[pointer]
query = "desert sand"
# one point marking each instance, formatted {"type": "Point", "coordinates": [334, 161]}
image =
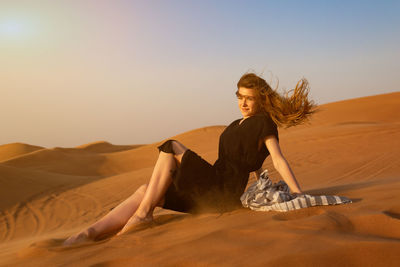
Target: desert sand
{"type": "Point", "coordinates": [350, 148]}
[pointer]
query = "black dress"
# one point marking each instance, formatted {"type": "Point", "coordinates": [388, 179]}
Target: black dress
{"type": "Point", "coordinates": [199, 186]}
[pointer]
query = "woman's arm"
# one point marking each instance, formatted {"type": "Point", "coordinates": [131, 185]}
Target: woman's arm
{"type": "Point", "coordinates": [281, 165]}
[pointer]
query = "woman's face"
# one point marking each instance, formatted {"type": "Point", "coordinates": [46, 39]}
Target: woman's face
{"type": "Point", "coordinates": [248, 101]}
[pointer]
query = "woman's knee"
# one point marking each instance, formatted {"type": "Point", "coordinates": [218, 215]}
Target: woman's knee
{"type": "Point", "coordinates": [172, 146]}
{"type": "Point", "coordinates": [178, 147]}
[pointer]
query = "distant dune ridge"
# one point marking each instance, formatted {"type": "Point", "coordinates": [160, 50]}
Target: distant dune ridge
{"type": "Point", "coordinates": [350, 148]}
{"type": "Point", "coordinates": [9, 151]}
{"type": "Point", "coordinates": [105, 147]}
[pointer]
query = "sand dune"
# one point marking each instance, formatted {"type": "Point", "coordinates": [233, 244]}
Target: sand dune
{"type": "Point", "coordinates": [19, 185]}
{"type": "Point", "coordinates": [350, 148]}
{"type": "Point", "coordinates": [12, 150]}
{"type": "Point", "coordinates": [59, 160]}
{"type": "Point", "coordinates": [368, 109]}
{"type": "Point", "coordinates": [105, 147]}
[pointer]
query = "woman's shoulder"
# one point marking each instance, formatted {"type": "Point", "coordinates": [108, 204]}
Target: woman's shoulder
{"type": "Point", "coordinates": [263, 117]}
{"type": "Point", "coordinates": [234, 122]}
{"type": "Point", "coordinates": [264, 122]}
{"type": "Point", "coordinates": [259, 118]}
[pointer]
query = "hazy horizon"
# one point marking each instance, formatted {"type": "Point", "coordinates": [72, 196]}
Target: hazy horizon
{"type": "Point", "coordinates": [136, 72]}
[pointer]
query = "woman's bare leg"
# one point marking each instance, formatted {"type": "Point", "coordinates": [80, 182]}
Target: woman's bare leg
{"type": "Point", "coordinates": [112, 221]}
{"type": "Point", "coordinates": [158, 185]}
{"type": "Point", "coordinates": [124, 213]}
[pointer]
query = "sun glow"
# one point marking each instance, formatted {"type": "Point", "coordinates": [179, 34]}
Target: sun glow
{"type": "Point", "coordinates": [15, 29]}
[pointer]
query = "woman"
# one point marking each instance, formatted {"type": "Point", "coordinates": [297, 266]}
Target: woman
{"type": "Point", "coordinates": [183, 181]}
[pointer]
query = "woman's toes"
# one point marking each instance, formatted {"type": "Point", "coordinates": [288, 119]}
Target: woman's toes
{"type": "Point", "coordinates": [81, 237]}
{"type": "Point", "coordinates": [76, 239]}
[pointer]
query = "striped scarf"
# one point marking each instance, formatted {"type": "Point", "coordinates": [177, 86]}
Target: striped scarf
{"type": "Point", "coordinates": [263, 195]}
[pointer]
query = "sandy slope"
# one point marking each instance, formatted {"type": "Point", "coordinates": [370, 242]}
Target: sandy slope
{"type": "Point", "coordinates": [9, 151]}
{"type": "Point", "coordinates": [351, 148]}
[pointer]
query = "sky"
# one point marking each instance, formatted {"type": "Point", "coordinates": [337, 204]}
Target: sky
{"type": "Point", "coordinates": [136, 72]}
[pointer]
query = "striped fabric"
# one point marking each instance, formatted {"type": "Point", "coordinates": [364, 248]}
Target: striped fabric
{"type": "Point", "coordinates": [263, 195]}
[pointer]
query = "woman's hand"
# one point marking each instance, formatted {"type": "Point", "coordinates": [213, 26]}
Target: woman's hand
{"type": "Point", "coordinates": [281, 165]}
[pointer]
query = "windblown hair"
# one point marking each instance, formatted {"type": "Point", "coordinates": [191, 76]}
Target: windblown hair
{"type": "Point", "coordinates": [284, 110]}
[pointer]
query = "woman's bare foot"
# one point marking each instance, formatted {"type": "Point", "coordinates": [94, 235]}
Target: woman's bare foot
{"type": "Point", "coordinates": [84, 236]}
{"type": "Point", "coordinates": [134, 221]}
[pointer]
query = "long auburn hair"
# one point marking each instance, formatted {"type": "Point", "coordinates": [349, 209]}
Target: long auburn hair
{"type": "Point", "coordinates": [284, 110]}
